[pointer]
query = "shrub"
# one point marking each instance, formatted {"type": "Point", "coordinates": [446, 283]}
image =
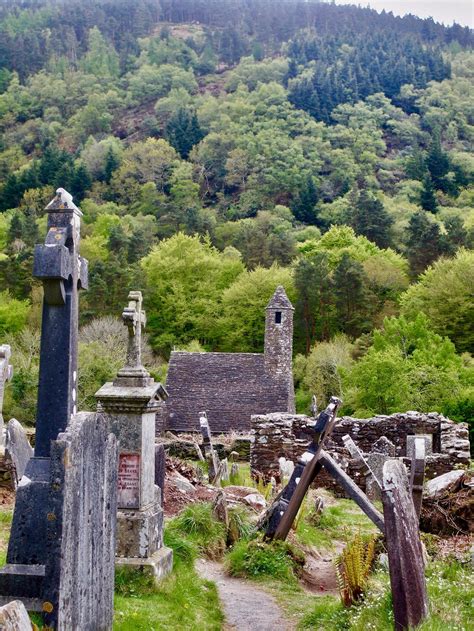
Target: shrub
{"type": "Point", "coordinates": [353, 567]}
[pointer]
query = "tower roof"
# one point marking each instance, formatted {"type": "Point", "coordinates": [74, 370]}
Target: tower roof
{"type": "Point", "coordinates": [279, 300]}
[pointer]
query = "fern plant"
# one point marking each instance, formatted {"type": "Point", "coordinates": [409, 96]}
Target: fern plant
{"type": "Point", "coordinates": [353, 567]}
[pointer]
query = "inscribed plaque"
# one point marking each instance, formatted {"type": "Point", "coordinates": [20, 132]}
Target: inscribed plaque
{"type": "Point", "coordinates": [129, 481]}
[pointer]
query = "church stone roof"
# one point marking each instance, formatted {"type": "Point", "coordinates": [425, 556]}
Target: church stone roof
{"type": "Point", "coordinates": [280, 300]}
{"type": "Point", "coordinates": [230, 387]}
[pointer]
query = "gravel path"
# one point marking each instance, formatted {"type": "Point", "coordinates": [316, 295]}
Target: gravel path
{"type": "Point", "coordinates": [247, 607]}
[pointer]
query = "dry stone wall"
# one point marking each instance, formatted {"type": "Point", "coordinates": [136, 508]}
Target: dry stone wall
{"type": "Point", "coordinates": [278, 434]}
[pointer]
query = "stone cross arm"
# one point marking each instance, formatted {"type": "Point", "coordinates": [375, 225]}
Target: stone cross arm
{"type": "Point", "coordinates": [134, 318]}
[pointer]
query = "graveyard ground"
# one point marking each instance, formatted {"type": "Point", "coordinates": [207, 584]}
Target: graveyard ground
{"type": "Point", "coordinates": [307, 596]}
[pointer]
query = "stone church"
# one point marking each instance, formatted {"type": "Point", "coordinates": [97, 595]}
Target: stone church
{"type": "Point", "coordinates": [231, 387]}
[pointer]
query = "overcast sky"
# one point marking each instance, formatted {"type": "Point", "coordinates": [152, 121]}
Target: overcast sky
{"type": "Point", "coordinates": [447, 11]}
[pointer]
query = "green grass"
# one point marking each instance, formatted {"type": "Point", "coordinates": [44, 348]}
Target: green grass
{"type": "Point", "coordinates": [198, 526]}
{"type": "Point", "coordinates": [338, 522]}
{"type": "Point", "coordinates": [450, 592]}
{"type": "Point", "coordinates": [183, 601]}
{"type": "Point", "coordinates": [254, 559]}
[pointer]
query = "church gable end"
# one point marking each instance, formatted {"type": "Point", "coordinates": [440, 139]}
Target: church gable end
{"type": "Point", "coordinates": [231, 387]}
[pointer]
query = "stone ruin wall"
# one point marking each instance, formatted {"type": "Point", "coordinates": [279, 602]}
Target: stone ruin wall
{"type": "Point", "coordinates": [287, 435]}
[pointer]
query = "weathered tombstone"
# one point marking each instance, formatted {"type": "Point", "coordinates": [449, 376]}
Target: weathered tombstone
{"type": "Point", "coordinates": [417, 473]}
{"type": "Point", "coordinates": [130, 404]}
{"type": "Point", "coordinates": [18, 447]}
{"type": "Point", "coordinates": [384, 446]}
{"type": "Point", "coordinates": [6, 373]}
{"type": "Point", "coordinates": [79, 577]}
{"type": "Point", "coordinates": [209, 451]}
{"type": "Point", "coordinates": [58, 265]}
{"type": "Point", "coordinates": [405, 556]}
{"type": "Point", "coordinates": [14, 617]}
{"type": "Point", "coordinates": [358, 456]}
{"type": "Point", "coordinates": [160, 470]}
{"type": "Point", "coordinates": [411, 440]}
{"type": "Point", "coordinates": [382, 450]}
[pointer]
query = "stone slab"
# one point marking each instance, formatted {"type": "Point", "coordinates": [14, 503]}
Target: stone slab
{"type": "Point", "coordinates": [18, 447]}
{"type": "Point", "coordinates": [411, 439]}
{"type": "Point", "coordinates": [444, 483]}
{"type": "Point", "coordinates": [159, 564]}
{"type": "Point", "coordinates": [405, 554]}
{"type": "Point", "coordinates": [160, 470]}
{"type": "Point", "coordinates": [14, 617]}
{"type": "Point", "coordinates": [79, 581]}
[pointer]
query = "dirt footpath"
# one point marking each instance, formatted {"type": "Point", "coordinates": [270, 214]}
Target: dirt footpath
{"type": "Point", "coordinates": [247, 607]}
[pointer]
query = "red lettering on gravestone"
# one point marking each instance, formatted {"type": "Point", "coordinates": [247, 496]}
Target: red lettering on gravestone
{"type": "Point", "coordinates": [129, 481]}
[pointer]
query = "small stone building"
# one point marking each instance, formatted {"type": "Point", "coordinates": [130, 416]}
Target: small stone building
{"type": "Point", "coordinates": [231, 387]}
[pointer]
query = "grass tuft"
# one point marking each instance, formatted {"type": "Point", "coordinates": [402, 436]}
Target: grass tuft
{"type": "Point", "coordinates": [255, 559]}
{"type": "Point", "coordinates": [197, 524]}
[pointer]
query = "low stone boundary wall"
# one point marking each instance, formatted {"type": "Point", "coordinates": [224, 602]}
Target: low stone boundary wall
{"type": "Point", "coordinates": [279, 434]}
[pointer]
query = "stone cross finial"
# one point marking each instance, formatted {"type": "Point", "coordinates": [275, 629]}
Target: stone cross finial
{"type": "Point", "coordinates": [6, 373]}
{"type": "Point", "coordinates": [133, 316]}
{"type": "Point", "coordinates": [63, 272]}
{"type": "Point", "coordinates": [135, 319]}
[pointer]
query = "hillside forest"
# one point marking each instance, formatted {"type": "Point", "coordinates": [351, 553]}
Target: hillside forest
{"type": "Point", "coordinates": [220, 148]}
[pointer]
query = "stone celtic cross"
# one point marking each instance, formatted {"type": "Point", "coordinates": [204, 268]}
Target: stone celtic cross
{"type": "Point", "coordinates": [134, 318]}
{"type": "Point", "coordinates": [63, 272]}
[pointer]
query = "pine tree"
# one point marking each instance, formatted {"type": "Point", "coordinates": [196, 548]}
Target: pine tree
{"type": "Point", "coordinates": [427, 196]}
{"type": "Point", "coordinates": [111, 164]}
{"type": "Point", "coordinates": [369, 218]}
{"type": "Point", "coordinates": [183, 131]}
{"type": "Point", "coordinates": [304, 206]}
{"type": "Point", "coordinates": [424, 243]}
{"type": "Point", "coordinates": [81, 182]}
{"type": "Point", "coordinates": [352, 298]}
{"type": "Point", "coordinates": [437, 162]}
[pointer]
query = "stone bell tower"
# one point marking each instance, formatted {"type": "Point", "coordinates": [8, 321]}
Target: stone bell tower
{"type": "Point", "coordinates": [279, 336]}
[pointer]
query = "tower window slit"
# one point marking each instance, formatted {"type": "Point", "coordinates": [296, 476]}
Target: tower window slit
{"type": "Point", "coordinates": [278, 317]}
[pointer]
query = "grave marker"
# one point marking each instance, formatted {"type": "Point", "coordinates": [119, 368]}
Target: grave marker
{"type": "Point", "coordinates": [6, 373]}
{"type": "Point", "coordinates": [18, 448]}
{"type": "Point", "coordinates": [405, 555]}
{"type": "Point", "coordinates": [130, 403]}
{"type": "Point", "coordinates": [58, 265]}
{"type": "Point", "coordinates": [417, 473]}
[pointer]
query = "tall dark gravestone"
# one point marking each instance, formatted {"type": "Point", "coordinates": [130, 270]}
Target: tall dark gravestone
{"type": "Point", "coordinates": [58, 265]}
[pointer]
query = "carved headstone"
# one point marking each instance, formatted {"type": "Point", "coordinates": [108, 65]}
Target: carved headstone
{"type": "Point", "coordinates": [6, 373]}
{"type": "Point", "coordinates": [405, 555]}
{"type": "Point", "coordinates": [382, 450]}
{"type": "Point", "coordinates": [372, 482]}
{"type": "Point", "coordinates": [384, 446]}
{"type": "Point", "coordinates": [417, 473]}
{"type": "Point", "coordinates": [130, 403]}
{"type": "Point", "coordinates": [411, 440]}
{"type": "Point", "coordinates": [209, 451]}
{"type": "Point", "coordinates": [79, 579]}
{"type": "Point", "coordinates": [18, 448]}
{"type": "Point", "coordinates": [58, 265]}
{"type": "Point", "coordinates": [14, 617]}
{"type": "Point", "coordinates": [160, 470]}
